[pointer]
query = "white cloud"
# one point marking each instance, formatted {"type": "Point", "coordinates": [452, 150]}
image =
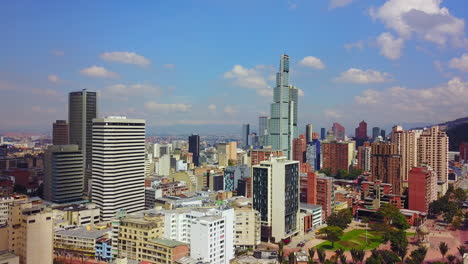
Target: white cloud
{"type": "Point", "coordinates": [169, 66]}
{"type": "Point", "coordinates": [312, 62]}
{"type": "Point", "coordinates": [426, 19]}
{"type": "Point", "coordinates": [53, 78]}
{"type": "Point", "coordinates": [253, 78]}
{"type": "Point", "coordinates": [157, 107]}
{"type": "Point", "coordinates": [58, 53]}
{"type": "Point", "coordinates": [339, 3]}
{"type": "Point", "coordinates": [333, 114]}
{"type": "Point", "coordinates": [460, 64]}
{"type": "Point", "coordinates": [390, 46]}
{"type": "Point", "coordinates": [354, 75]}
{"type": "Point", "coordinates": [359, 45]}
{"type": "Point", "coordinates": [98, 72]}
{"type": "Point", "coordinates": [125, 57]}
{"type": "Point", "coordinates": [212, 107]}
{"type": "Point", "coordinates": [229, 109]}
{"type": "Point", "coordinates": [415, 105]}
{"type": "Point", "coordinates": [131, 89]}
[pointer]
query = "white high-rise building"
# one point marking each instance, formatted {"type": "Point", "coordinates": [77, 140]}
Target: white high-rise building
{"type": "Point", "coordinates": [210, 232]}
{"type": "Point", "coordinates": [118, 165]}
{"type": "Point", "coordinates": [282, 125]}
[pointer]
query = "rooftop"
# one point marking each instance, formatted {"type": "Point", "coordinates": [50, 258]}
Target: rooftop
{"type": "Point", "coordinates": [167, 242]}
{"type": "Point", "coordinates": [5, 255]}
{"type": "Point", "coordinates": [83, 232]}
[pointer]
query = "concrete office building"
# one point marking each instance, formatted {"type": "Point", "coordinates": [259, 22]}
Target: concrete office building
{"type": "Point", "coordinates": [282, 126]}
{"type": "Point", "coordinates": [118, 165]}
{"type": "Point", "coordinates": [433, 151]}
{"type": "Point", "coordinates": [245, 136]}
{"type": "Point", "coordinates": [30, 233]}
{"type": "Point", "coordinates": [375, 133]}
{"type": "Point", "coordinates": [364, 157]}
{"type": "Point", "coordinates": [60, 133]}
{"type": "Point", "coordinates": [63, 174]}
{"type": "Point", "coordinates": [323, 133]}
{"type": "Point", "coordinates": [82, 109]}
{"type": "Point", "coordinates": [309, 133]}
{"type": "Point", "coordinates": [276, 197]}
{"type": "Point", "coordinates": [263, 130]}
{"type": "Point", "coordinates": [194, 148]}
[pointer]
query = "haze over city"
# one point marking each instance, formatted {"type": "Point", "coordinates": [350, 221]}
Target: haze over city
{"type": "Point", "coordinates": [209, 65]}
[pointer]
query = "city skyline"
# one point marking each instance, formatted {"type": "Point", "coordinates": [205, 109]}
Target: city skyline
{"type": "Point", "coordinates": [406, 57]}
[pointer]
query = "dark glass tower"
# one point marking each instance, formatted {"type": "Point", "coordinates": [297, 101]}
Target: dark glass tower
{"type": "Point", "coordinates": [82, 109]}
{"type": "Point", "coordinates": [194, 148]}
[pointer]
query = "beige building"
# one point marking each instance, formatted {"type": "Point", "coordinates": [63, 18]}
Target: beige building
{"type": "Point", "coordinates": [80, 241]}
{"type": "Point", "coordinates": [247, 224]}
{"type": "Point", "coordinates": [407, 145]}
{"type": "Point", "coordinates": [76, 215]}
{"type": "Point", "coordinates": [30, 233]}
{"type": "Point", "coordinates": [4, 207]}
{"type": "Point", "coordinates": [433, 151]}
{"type": "Point", "coordinates": [8, 258]}
{"type": "Point", "coordinates": [134, 230]}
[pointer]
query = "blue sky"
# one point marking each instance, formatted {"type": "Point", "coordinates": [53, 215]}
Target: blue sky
{"type": "Point", "coordinates": [207, 65]}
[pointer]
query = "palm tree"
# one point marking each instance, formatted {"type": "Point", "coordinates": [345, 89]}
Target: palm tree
{"type": "Point", "coordinates": [451, 258]}
{"type": "Point", "coordinates": [321, 254]}
{"type": "Point", "coordinates": [443, 247]}
{"type": "Point", "coordinates": [311, 254]}
{"type": "Point", "coordinates": [417, 256]}
{"type": "Point", "coordinates": [461, 250]}
{"type": "Point", "coordinates": [357, 255]}
{"type": "Point", "coordinates": [280, 252]}
{"type": "Point", "coordinates": [343, 259]}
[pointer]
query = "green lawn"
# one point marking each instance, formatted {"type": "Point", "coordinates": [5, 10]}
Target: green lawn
{"type": "Point", "coordinates": [355, 239]}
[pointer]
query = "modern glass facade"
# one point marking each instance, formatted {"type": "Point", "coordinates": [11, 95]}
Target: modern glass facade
{"type": "Point", "coordinates": [282, 126]}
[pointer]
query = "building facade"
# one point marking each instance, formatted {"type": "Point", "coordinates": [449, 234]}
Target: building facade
{"type": "Point", "coordinates": [385, 165]}
{"type": "Point", "coordinates": [194, 148]}
{"type": "Point", "coordinates": [60, 133]}
{"type": "Point", "coordinates": [338, 131]}
{"type": "Point", "coordinates": [276, 197]}
{"type": "Point", "coordinates": [118, 165]}
{"type": "Point", "coordinates": [422, 188]}
{"type": "Point", "coordinates": [282, 126]}
{"type": "Point", "coordinates": [63, 174]}
{"type": "Point", "coordinates": [313, 154]}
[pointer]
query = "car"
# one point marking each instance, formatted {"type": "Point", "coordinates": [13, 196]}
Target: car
{"type": "Point", "coordinates": [301, 244]}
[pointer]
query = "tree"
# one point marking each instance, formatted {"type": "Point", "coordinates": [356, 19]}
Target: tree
{"type": "Point", "coordinates": [333, 233]}
{"type": "Point", "coordinates": [357, 255]}
{"type": "Point", "coordinates": [341, 219]}
{"type": "Point", "coordinates": [311, 254]}
{"type": "Point", "coordinates": [461, 250]}
{"type": "Point", "coordinates": [417, 256]}
{"type": "Point", "coordinates": [443, 248]}
{"type": "Point", "coordinates": [460, 195]}
{"type": "Point", "coordinates": [450, 210]}
{"type": "Point", "coordinates": [451, 258]}
{"type": "Point", "coordinates": [392, 216]}
{"type": "Point", "coordinates": [321, 255]}
{"type": "Point", "coordinates": [326, 171]}
{"type": "Point", "coordinates": [291, 258]}
{"type": "Point", "coordinates": [456, 223]}
{"type": "Point", "coordinates": [280, 252]}
{"type": "Point", "coordinates": [399, 242]}
{"type": "Point", "coordinates": [383, 257]}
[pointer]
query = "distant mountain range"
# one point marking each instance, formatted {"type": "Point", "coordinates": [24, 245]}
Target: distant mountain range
{"type": "Point", "coordinates": [457, 130]}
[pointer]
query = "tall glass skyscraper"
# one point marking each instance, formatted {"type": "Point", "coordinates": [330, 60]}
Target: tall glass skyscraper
{"type": "Point", "coordinates": [282, 126]}
{"type": "Point", "coordinates": [245, 136]}
{"type": "Point", "coordinates": [262, 129]}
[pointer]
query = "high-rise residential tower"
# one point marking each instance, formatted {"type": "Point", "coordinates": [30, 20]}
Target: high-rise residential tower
{"type": "Point", "coordinates": [60, 133]}
{"type": "Point", "coordinates": [361, 131]}
{"type": "Point", "coordinates": [82, 109]}
{"type": "Point", "coordinates": [194, 148]}
{"type": "Point", "coordinates": [385, 165]}
{"type": "Point", "coordinates": [282, 126]}
{"type": "Point", "coordinates": [276, 197]}
{"type": "Point", "coordinates": [118, 165]}
{"type": "Point", "coordinates": [407, 144]}
{"type": "Point", "coordinates": [433, 151]}
{"type": "Point", "coordinates": [245, 136]}
{"type": "Point", "coordinates": [339, 131]}
{"type": "Point", "coordinates": [63, 174]}
{"type": "Point", "coordinates": [262, 129]}
{"type": "Point", "coordinates": [309, 132]}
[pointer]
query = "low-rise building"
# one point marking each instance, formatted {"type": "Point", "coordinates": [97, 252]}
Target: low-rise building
{"type": "Point", "coordinates": [247, 224]}
{"type": "Point", "coordinates": [76, 214]}
{"type": "Point", "coordinates": [80, 241]}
